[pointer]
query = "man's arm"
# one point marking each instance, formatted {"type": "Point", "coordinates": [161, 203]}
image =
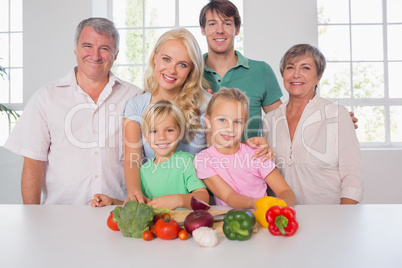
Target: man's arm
{"type": "Point", "coordinates": [32, 181]}
{"type": "Point", "coordinates": [272, 106]}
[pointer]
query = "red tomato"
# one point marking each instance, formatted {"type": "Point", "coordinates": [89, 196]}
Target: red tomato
{"type": "Point", "coordinates": [183, 234]}
{"type": "Point", "coordinates": [167, 229]}
{"type": "Point", "coordinates": [147, 235]}
{"type": "Point", "coordinates": [112, 225]}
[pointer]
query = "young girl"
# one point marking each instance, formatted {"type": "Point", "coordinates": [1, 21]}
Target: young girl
{"type": "Point", "coordinates": [169, 179]}
{"type": "Point", "coordinates": [227, 167]}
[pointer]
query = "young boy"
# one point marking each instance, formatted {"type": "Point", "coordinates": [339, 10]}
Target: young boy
{"type": "Point", "coordinates": [169, 180]}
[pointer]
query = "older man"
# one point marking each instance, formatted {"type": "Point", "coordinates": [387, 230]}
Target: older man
{"type": "Point", "coordinates": [70, 133]}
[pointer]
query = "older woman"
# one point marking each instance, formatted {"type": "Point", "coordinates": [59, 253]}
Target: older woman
{"type": "Point", "coordinates": [315, 144]}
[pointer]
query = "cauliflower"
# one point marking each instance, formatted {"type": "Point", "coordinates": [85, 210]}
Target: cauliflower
{"type": "Point", "coordinates": [134, 218]}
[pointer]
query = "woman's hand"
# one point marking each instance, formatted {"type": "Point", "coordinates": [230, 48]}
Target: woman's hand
{"type": "Point", "coordinates": [263, 148]}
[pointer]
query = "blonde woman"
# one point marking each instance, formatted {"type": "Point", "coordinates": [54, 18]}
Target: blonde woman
{"type": "Point", "coordinates": [174, 73]}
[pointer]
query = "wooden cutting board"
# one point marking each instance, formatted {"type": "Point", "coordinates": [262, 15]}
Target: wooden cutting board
{"type": "Point", "coordinates": [180, 215]}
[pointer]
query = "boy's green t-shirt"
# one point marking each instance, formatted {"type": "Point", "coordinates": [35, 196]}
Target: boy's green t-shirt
{"type": "Point", "coordinates": [175, 176]}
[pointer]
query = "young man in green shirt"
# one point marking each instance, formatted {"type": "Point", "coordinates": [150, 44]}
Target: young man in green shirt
{"type": "Point", "coordinates": [225, 67]}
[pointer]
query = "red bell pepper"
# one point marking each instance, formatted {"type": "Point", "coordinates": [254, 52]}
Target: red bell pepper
{"type": "Point", "coordinates": [282, 221]}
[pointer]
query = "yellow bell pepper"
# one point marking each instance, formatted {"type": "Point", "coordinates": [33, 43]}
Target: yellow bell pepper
{"type": "Point", "coordinates": [263, 204]}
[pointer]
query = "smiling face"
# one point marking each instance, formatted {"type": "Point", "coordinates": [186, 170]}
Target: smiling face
{"type": "Point", "coordinates": [226, 123]}
{"type": "Point", "coordinates": [95, 54]}
{"type": "Point", "coordinates": [172, 66]}
{"type": "Point", "coordinates": [220, 33]}
{"type": "Point", "coordinates": [164, 137]}
{"type": "Point", "coordinates": [300, 77]}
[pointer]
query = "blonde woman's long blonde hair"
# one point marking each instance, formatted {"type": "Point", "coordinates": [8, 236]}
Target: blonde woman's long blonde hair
{"type": "Point", "coordinates": [190, 99]}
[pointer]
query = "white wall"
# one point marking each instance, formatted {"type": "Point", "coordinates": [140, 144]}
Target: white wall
{"type": "Point", "coordinates": [271, 27]}
{"type": "Point", "coordinates": [382, 171]}
{"type": "Point", "coordinates": [49, 28]}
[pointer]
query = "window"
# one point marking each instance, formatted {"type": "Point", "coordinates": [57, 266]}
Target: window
{"type": "Point", "coordinates": [141, 22]}
{"type": "Point", "coordinates": [11, 90]}
{"type": "Point", "coordinates": [361, 40]}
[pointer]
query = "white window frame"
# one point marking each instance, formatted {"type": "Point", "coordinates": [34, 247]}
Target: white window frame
{"type": "Point", "coordinates": [16, 106]}
{"type": "Point", "coordinates": [386, 102]}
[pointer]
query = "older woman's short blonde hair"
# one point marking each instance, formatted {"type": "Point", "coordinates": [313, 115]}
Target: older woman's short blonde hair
{"type": "Point", "coordinates": [303, 50]}
{"type": "Point", "coordinates": [156, 112]}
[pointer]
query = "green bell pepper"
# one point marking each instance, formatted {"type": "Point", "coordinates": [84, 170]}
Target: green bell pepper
{"type": "Point", "coordinates": [238, 224]}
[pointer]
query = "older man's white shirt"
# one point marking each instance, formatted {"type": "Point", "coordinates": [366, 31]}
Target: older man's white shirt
{"type": "Point", "coordinates": [80, 141]}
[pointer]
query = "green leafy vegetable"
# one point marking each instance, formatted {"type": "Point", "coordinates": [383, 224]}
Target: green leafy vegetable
{"type": "Point", "coordinates": [134, 218]}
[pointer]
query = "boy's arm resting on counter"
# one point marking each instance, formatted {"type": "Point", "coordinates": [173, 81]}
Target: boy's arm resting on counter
{"type": "Point", "coordinates": [226, 193]}
{"type": "Point", "coordinates": [133, 160]}
{"type": "Point", "coordinates": [179, 200]}
{"type": "Point", "coordinates": [280, 187]}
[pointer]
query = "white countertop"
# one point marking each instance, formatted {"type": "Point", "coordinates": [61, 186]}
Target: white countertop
{"type": "Point", "coordinates": [77, 236]}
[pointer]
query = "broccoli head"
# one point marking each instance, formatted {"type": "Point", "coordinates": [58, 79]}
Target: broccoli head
{"type": "Point", "coordinates": [134, 218]}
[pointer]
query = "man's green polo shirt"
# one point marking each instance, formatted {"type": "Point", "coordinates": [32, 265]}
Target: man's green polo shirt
{"type": "Point", "coordinates": [256, 79]}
